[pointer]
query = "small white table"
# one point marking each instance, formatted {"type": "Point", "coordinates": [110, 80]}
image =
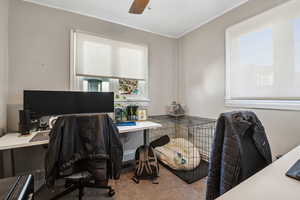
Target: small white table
{"type": "Point", "coordinates": [269, 183]}
{"type": "Point", "coordinates": [13, 141]}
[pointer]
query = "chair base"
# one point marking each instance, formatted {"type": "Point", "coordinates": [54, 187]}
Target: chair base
{"type": "Point", "coordinates": [71, 187]}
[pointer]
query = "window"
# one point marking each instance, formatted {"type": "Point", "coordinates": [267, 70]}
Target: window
{"type": "Point", "coordinates": [94, 84]}
{"type": "Point", "coordinates": [100, 64]}
{"type": "Point", "coordinates": [263, 60]}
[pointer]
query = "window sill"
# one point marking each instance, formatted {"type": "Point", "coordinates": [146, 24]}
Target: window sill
{"type": "Point", "coordinates": [131, 100]}
{"type": "Point", "coordinates": [264, 104]}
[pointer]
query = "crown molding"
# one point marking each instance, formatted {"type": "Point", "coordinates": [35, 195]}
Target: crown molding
{"type": "Point", "coordinates": [210, 20]}
{"type": "Point", "coordinates": [138, 28]}
{"type": "Point", "coordinates": [100, 18]}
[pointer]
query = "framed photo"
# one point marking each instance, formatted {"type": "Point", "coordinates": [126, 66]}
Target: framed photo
{"type": "Point", "coordinates": [128, 87]}
{"type": "Point", "coordinates": [142, 114]}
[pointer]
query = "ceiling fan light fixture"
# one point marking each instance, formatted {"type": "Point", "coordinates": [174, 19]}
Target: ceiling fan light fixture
{"type": "Point", "coordinates": [138, 6]}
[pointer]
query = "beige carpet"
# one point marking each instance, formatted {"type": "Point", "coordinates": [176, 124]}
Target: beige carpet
{"type": "Point", "coordinates": [170, 187]}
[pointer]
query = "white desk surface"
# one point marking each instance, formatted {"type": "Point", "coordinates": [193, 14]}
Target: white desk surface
{"type": "Point", "coordinates": [14, 140]}
{"type": "Point", "coordinates": [270, 183]}
{"type": "Point", "coordinates": [140, 126]}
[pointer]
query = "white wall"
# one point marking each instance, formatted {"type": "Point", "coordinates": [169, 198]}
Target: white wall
{"type": "Point", "coordinates": [202, 80]}
{"type": "Point", "coordinates": [39, 53]}
{"type": "Point", "coordinates": [4, 5]}
{"type": "Point", "coordinates": [3, 60]}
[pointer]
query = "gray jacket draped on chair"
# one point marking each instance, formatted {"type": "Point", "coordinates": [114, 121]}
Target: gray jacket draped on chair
{"type": "Point", "coordinates": [240, 149]}
{"type": "Point", "coordinates": [91, 141]}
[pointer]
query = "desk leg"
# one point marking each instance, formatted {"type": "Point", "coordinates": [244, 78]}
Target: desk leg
{"type": "Point", "coordinates": [146, 136]}
{"type": "Point", "coordinates": [1, 165]}
{"type": "Point", "coordinates": [12, 160]}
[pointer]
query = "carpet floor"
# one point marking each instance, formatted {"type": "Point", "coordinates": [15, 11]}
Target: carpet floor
{"type": "Point", "coordinates": [170, 187]}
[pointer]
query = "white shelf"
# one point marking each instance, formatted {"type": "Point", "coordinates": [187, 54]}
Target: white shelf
{"type": "Point", "coordinates": [132, 100]}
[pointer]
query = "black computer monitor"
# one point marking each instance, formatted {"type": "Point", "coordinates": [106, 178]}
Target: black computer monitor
{"type": "Point", "coordinates": [46, 103]}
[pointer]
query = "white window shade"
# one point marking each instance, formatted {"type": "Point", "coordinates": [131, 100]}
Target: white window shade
{"type": "Point", "coordinates": [131, 61]}
{"type": "Point", "coordinates": [263, 60]}
{"type": "Point", "coordinates": [94, 56]}
{"type": "Point", "coordinates": [101, 57]}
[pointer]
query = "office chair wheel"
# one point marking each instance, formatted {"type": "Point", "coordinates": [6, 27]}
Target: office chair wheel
{"type": "Point", "coordinates": [111, 193]}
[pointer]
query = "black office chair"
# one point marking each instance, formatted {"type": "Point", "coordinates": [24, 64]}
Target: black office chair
{"type": "Point", "coordinates": [82, 180]}
{"type": "Point", "coordinates": [88, 139]}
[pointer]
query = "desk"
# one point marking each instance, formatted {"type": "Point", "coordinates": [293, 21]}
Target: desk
{"type": "Point", "coordinates": [13, 141]}
{"type": "Point", "coordinates": [269, 183]}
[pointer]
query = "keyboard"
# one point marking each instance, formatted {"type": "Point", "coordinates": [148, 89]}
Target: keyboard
{"type": "Point", "coordinates": [40, 136]}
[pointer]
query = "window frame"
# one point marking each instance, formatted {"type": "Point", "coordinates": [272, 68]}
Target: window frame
{"type": "Point", "coordinates": [259, 103]}
{"type": "Point", "coordinates": [74, 79]}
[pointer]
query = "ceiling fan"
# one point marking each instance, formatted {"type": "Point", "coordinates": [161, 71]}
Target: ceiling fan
{"type": "Point", "coordinates": [138, 6]}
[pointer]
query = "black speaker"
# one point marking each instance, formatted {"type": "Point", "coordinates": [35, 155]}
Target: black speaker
{"type": "Point", "coordinates": [24, 122]}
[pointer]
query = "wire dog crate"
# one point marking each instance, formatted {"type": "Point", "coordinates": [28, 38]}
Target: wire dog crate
{"type": "Point", "coordinates": [188, 152]}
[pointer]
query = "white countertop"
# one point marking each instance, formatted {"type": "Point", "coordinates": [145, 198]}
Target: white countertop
{"type": "Point", "coordinates": [15, 140]}
{"type": "Point", "coordinates": [270, 183]}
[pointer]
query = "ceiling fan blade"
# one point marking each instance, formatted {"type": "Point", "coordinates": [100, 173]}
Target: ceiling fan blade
{"type": "Point", "coordinates": [138, 6]}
